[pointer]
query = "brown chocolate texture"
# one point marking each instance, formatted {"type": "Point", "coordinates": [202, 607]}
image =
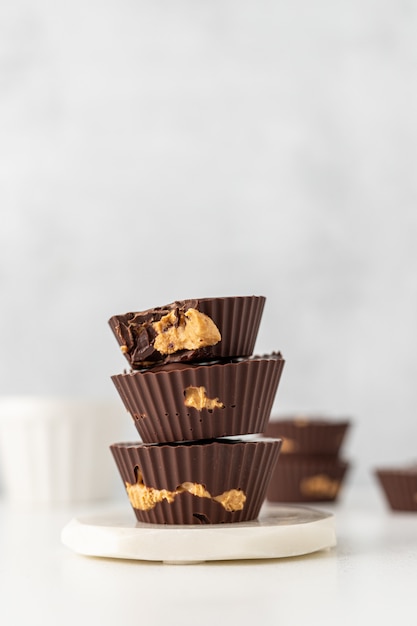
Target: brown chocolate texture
{"type": "Point", "coordinates": [179, 401]}
{"type": "Point", "coordinates": [160, 334]}
{"type": "Point", "coordinates": [212, 481]}
{"type": "Point", "coordinates": [193, 330]}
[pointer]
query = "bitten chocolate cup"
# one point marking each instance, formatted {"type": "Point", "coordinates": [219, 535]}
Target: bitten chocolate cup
{"type": "Point", "coordinates": [189, 330]}
{"type": "Point", "coordinates": [182, 402]}
{"type": "Point", "coordinates": [308, 435]}
{"type": "Point", "coordinates": [212, 482]}
{"type": "Point", "coordinates": [399, 486]}
{"type": "Point", "coordinates": [307, 478]}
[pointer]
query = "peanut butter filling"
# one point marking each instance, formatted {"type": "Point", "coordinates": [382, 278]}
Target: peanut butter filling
{"type": "Point", "coordinates": [288, 445]}
{"type": "Point", "coordinates": [186, 331]}
{"type": "Point", "coordinates": [145, 498]}
{"type": "Point", "coordinates": [196, 397]}
{"type": "Point", "coordinates": [320, 486]}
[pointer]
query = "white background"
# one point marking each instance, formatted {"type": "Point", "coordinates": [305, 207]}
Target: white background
{"type": "Point", "coordinates": [152, 151]}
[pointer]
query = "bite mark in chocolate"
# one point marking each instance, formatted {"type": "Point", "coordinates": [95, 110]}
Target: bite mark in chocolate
{"type": "Point", "coordinates": [173, 333]}
{"type": "Point", "coordinates": [196, 397]}
{"type": "Point", "coordinates": [144, 498]}
{"type": "Point", "coordinates": [185, 331]}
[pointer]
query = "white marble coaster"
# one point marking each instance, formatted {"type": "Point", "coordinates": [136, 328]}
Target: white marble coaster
{"type": "Point", "coordinates": [280, 531]}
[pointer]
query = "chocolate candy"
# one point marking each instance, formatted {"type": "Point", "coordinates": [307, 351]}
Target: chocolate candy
{"type": "Point", "coordinates": [399, 485]}
{"type": "Point", "coordinates": [200, 482]}
{"type": "Point", "coordinates": [179, 401]}
{"type": "Point", "coordinates": [189, 330]}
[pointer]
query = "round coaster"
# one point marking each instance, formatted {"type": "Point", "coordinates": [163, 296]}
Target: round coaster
{"type": "Point", "coordinates": [280, 531]}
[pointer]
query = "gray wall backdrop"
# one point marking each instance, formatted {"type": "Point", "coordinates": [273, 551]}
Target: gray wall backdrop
{"type": "Point", "coordinates": [152, 151]}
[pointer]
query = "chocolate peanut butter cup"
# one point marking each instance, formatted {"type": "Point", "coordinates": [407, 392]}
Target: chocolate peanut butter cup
{"type": "Point", "coordinates": [209, 482]}
{"type": "Point", "coordinates": [307, 478]}
{"type": "Point", "coordinates": [399, 486]}
{"type": "Point", "coordinates": [189, 330]}
{"type": "Point", "coordinates": [179, 401]}
{"type": "Point", "coordinates": [308, 434]}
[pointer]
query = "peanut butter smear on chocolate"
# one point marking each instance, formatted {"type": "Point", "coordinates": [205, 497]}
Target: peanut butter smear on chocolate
{"type": "Point", "coordinates": [145, 498]}
{"type": "Point", "coordinates": [196, 397]}
{"type": "Point", "coordinates": [320, 486]}
{"type": "Point", "coordinates": [186, 331]}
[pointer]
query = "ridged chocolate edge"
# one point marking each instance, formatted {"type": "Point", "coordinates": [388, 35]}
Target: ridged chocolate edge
{"type": "Point", "coordinates": [301, 478]}
{"type": "Point", "coordinates": [218, 465]}
{"type": "Point", "coordinates": [400, 489]}
{"type": "Point", "coordinates": [247, 388]}
{"type": "Point", "coordinates": [237, 318]}
{"type": "Point", "coordinates": [315, 437]}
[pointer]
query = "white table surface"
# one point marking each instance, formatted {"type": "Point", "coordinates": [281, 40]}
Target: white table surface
{"type": "Point", "coordinates": [369, 578]}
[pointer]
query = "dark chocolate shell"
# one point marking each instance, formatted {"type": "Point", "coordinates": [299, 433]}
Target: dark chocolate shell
{"type": "Point", "coordinates": [307, 478]}
{"type": "Point", "coordinates": [399, 486]}
{"type": "Point", "coordinates": [308, 435]}
{"type": "Point", "coordinates": [235, 398]}
{"type": "Point", "coordinates": [230, 477]}
{"type": "Point", "coordinates": [236, 318]}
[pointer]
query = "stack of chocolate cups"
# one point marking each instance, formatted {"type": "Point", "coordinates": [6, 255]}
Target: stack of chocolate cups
{"type": "Point", "coordinates": [195, 392]}
{"type": "Point", "coordinates": [311, 468]}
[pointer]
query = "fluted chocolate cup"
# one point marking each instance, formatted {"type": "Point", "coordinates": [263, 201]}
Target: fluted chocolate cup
{"type": "Point", "coordinates": [189, 330]}
{"type": "Point", "coordinates": [212, 482]}
{"type": "Point", "coordinates": [399, 486]}
{"type": "Point", "coordinates": [307, 478]}
{"type": "Point", "coordinates": [180, 402]}
{"type": "Point", "coordinates": [308, 435]}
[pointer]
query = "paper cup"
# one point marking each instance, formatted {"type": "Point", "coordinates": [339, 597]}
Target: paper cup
{"type": "Point", "coordinates": [56, 450]}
